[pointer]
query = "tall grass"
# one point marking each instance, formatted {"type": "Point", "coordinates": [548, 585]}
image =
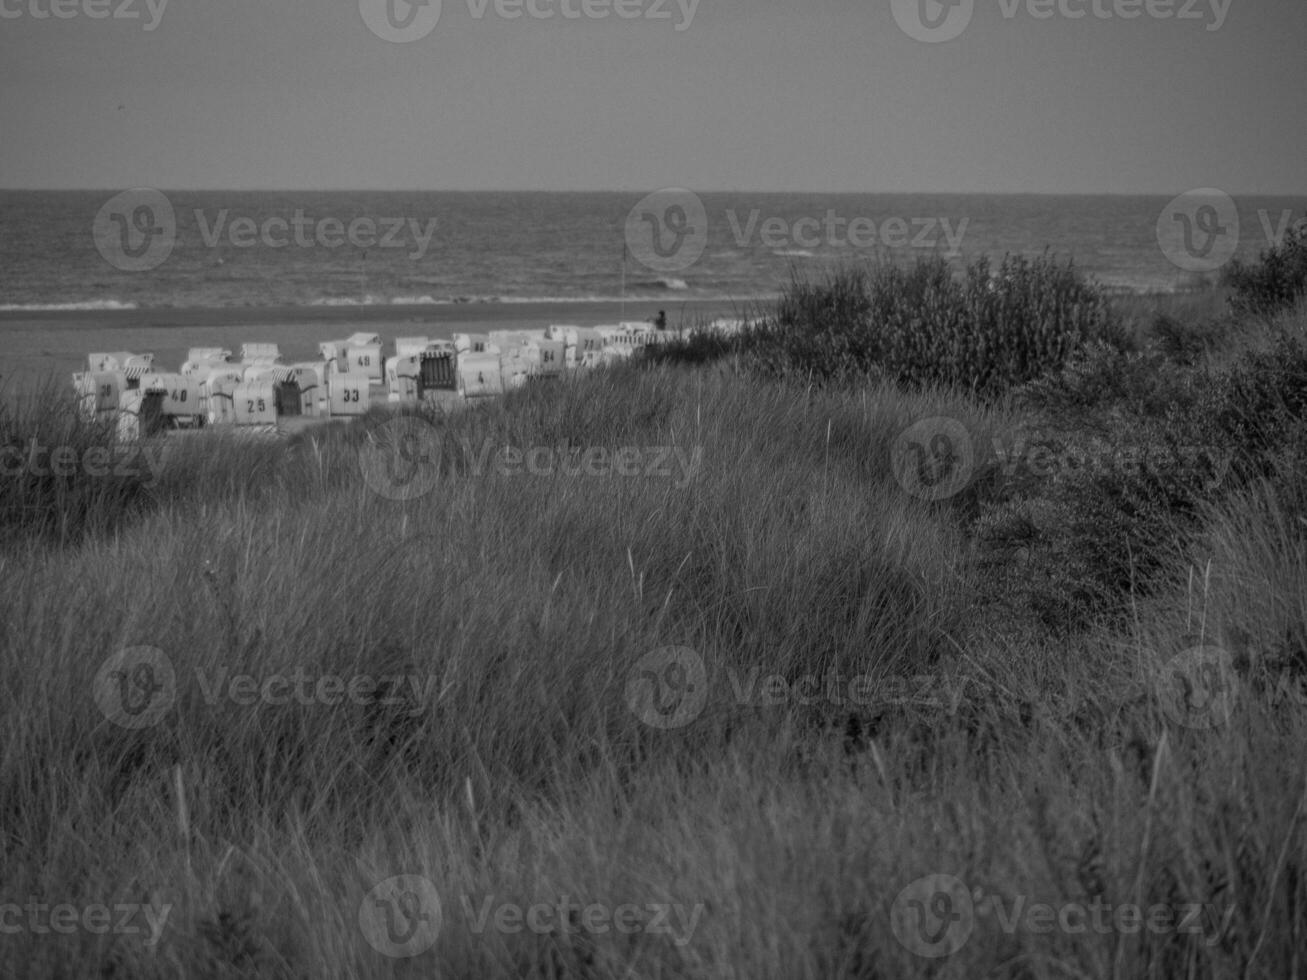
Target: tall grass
{"type": "Point", "coordinates": [1043, 764]}
{"type": "Point", "coordinates": [94, 484]}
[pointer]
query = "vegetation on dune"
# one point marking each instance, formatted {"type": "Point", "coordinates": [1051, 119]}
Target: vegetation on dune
{"type": "Point", "coordinates": [1135, 445]}
{"type": "Point", "coordinates": [95, 484]}
{"type": "Point", "coordinates": [1273, 284]}
{"type": "Point", "coordinates": [985, 332]}
{"type": "Point", "coordinates": [1136, 492]}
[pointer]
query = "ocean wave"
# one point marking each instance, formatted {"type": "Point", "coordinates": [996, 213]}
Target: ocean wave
{"type": "Point", "coordinates": [427, 300]}
{"type": "Point", "coordinates": [565, 299]}
{"type": "Point", "coordinates": [372, 301]}
{"type": "Point", "coordinates": [677, 285]}
{"type": "Point", "coordinates": [798, 253]}
{"type": "Point", "coordinates": [89, 304]}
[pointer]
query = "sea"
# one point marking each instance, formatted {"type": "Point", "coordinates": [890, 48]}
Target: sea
{"type": "Point", "coordinates": [139, 249]}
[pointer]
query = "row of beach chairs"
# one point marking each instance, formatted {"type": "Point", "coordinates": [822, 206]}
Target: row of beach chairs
{"type": "Point", "coordinates": [213, 387]}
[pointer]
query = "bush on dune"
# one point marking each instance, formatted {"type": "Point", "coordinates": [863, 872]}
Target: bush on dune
{"type": "Point", "coordinates": [1078, 540]}
{"type": "Point", "coordinates": [922, 326]}
{"type": "Point", "coordinates": [701, 344]}
{"type": "Point", "coordinates": [1144, 445]}
{"type": "Point", "coordinates": [1274, 283]}
{"type": "Point", "coordinates": [1187, 342]}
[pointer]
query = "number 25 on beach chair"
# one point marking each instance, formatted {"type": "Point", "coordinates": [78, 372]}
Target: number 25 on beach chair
{"type": "Point", "coordinates": [254, 403]}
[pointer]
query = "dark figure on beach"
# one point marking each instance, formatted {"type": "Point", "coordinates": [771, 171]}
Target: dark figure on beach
{"type": "Point", "coordinates": [660, 321]}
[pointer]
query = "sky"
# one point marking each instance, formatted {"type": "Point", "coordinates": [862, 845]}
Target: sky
{"type": "Point", "coordinates": [1001, 96]}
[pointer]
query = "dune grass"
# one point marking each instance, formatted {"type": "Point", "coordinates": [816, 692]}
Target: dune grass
{"type": "Point", "coordinates": [1037, 759]}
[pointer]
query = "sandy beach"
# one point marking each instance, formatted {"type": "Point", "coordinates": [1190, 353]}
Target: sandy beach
{"type": "Point", "coordinates": [35, 345]}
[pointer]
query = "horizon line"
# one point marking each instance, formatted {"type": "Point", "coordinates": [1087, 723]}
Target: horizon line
{"type": "Point", "coordinates": [522, 190]}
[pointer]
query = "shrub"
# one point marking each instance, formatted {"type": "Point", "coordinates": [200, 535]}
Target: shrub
{"type": "Point", "coordinates": [1098, 523]}
{"type": "Point", "coordinates": [1101, 383]}
{"type": "Point", "coordinates": [1273, 284]}
{"type": "Point", "coordinates": [699, 346]}
{"type": "Point", "coordinates": [1188, 341]}
{"type": "Point", "coordinates": [1163, 441]}
{"type": "Point", "coordinates": [922, 326]}
{"type": "Point", "coordinates": [1260, 400]}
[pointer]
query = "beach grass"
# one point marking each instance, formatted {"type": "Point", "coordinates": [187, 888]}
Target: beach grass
{"type": "Point", "coordinates": [1015, 726]}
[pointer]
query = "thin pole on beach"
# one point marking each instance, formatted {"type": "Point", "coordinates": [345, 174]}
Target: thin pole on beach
{"type": "Point", "coordinates": [623, 278]}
